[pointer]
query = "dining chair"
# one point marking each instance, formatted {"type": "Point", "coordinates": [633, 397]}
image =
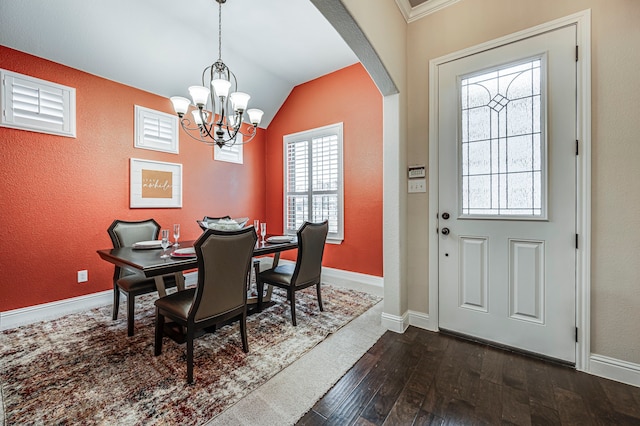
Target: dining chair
{"type": "Point", "coordinates": [224, 259]}
{"type": "Point", "coordinates": [256, 262]}
{"type": "Point", "coordinates": [306, 271]}
{"type": "Point", "coordinates": [132, 283]}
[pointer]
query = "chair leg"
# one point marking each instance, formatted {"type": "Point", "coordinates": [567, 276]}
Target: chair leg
{"type": "Point", "coordinates": [159, 333]}
{"type": "Point", "coordinates": [131, 304]}
{"type": "Point", "coordinates": [116, 301]}
{"type": "Point", "coordinates": [292, 298]}
{"type": "Point", "coordinates": [256, 271]}
{"type": "Point", "coordinates": [243, 332]}
{"type": "Point", "coordinates": [260, 286]}
{"type": "Point", "coordinates": [189, 355]}
{"type": "Point", "coordinates": [319, 297]}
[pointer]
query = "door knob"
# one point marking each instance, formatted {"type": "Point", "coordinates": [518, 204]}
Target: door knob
{"type": "Point", "coordinates": [444, 231]}
{"type": "Point", "coordinates": [445, 215]}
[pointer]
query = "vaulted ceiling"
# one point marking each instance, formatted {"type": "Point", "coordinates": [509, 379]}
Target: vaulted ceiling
{"type": "Point", "coordinates": [162, 46]}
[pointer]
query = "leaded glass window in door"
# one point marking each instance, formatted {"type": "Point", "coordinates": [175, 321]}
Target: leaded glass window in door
{"type": "Point", "coordinates": [503, 155]}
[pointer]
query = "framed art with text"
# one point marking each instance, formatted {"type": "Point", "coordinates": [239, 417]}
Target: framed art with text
{"type": "Point", "coordinates": [155, 184]}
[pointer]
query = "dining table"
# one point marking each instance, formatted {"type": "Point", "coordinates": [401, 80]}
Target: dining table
{"type": "Point", "coordinates": [152, 265]}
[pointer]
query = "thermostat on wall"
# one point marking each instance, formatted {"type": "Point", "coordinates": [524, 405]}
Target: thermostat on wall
{"type": "Point", "coordinates": [416, 172]}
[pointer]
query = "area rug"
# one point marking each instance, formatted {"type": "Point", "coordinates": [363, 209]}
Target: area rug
{"type": "Point", "coordinates": [83, 369]}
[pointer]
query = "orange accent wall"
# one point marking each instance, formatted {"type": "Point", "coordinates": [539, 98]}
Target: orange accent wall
{"type": "Point", "coordinates": [59, 195]}
{"type": "Point", "coordinates": [349, 96]}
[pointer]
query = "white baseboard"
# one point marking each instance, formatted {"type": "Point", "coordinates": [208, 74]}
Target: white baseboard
{"type": "Point", "coordinates": [46, 311]}
{"type": "Point", "coordinates": [394, 322]}
{"type": "Point", "coordinates": [190, 278]}
{"type": "Point", "coordinates": [354, 280]}
{"type": "Point", "coordinates": [421, 320]}
{"type": "Point", "coordinates": [615, 369]}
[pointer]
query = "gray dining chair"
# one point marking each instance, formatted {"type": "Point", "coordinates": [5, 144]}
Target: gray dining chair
{"type": "Point", "coordinates": [133, 283]}
{"type": "Point", "coordinates": [306, 271]}
{"type": "Point", "coordinates": [224, 259]}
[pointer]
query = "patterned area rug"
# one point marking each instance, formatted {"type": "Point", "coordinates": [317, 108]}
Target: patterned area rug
{"type": "Point", "coordinates": [83, 369]}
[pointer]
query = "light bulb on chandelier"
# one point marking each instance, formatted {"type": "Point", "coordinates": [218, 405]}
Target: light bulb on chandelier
{"type": "Point", "coordinates": [229, 108]}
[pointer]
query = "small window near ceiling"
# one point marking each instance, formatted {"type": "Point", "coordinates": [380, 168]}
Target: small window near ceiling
{"type": "Point", "coordinates": [313, 184]}
{"type": "Point", "coordinates": [36, 105]}
{"type": "Point", "coordinates": [156, 130]}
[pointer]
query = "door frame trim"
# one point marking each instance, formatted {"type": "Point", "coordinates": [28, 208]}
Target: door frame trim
{"type": "Point", "coordinates": [582, 20]}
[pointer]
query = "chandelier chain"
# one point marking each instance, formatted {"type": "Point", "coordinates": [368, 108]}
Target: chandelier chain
{"type": "Point", "coordinates": [219, 31]}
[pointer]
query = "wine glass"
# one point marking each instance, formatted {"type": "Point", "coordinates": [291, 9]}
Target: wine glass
{"type": "Point", "coordinates": [165, 243]}
{"type": "Point", "coordinates": [176, 233]}
{"type": "Point", "coordinates": [263, 230]}
{"type": "Point", "coordinates": [256, 226]}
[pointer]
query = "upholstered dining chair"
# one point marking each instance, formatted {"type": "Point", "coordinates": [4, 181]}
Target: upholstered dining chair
{"type": "Point", "coordinates": [306, 271]}
{"type": "Point", "coordinates": [224, 259]}
{"type": "Point", "coordinates": [132, 283]}
{"type": "Point", "coordinates": [256, 262]}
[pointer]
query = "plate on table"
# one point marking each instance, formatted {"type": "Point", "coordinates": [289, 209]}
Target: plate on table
{"type": "Point", "coordinates": [185, 252]}
{"type": "Point", "coordinates": [279, 239]}
{"type": "Point", "coordinates": [153, 244]}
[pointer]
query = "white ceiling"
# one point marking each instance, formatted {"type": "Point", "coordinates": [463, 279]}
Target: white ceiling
{"type": "Point", "coordinates": [162, 46]}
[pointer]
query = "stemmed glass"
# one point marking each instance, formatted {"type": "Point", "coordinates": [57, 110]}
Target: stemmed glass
{"type": "Point", "coordinates": [165, 243]}
{"type": "Point", "coordinates": [176, 233]}
{"type": "Point", "coordinates": [263, 230]}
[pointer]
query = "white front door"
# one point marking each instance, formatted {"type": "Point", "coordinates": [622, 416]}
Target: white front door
{"type": "Point", "coordinates": [507, 194]}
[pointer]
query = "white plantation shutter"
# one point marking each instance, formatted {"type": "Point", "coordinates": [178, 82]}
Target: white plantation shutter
{"type": "Point", "coordinates": [156, 130]}
{"type": "Point", "coordinates": [313, 180]}
{"type": "Point", "coordinates": [37, 105]}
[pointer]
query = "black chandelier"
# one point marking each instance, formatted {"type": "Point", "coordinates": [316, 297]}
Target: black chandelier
{"type": "Point", "coordinates": [212, 99]}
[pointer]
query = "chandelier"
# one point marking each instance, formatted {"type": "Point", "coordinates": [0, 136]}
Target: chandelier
{"type": "Point", "coordinates": [217, 115]}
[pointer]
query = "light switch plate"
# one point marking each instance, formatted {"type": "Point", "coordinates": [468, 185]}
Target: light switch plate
{"type": "Point", "coordinates": [417, 185]}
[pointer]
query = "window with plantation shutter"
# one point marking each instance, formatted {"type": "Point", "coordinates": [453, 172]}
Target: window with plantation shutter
{"type": "Point", "coordinates": [156, 130]}
{"type": "Point", "coordinates": [313, 180]}
{"type": "Point", "coordinates": [36, 105]}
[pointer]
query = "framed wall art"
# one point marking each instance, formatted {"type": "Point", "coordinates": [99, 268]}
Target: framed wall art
{"type": "Point", "coordinates": [155, 184]}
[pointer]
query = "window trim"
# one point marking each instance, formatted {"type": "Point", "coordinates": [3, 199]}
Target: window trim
{"type": "Point", "coordinates": [141, 141]}
{"type": "Point", "coordinates": [35, 124]}
{"type": "Point", "coordinates": [337, 129]}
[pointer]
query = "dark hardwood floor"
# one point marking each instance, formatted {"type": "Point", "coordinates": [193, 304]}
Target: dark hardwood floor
{"type": "Point", "coordinates": [424, 378]}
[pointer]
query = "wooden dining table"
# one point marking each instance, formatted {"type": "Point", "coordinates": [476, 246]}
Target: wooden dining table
{"type": "Point", "coordinates": [149, 262]}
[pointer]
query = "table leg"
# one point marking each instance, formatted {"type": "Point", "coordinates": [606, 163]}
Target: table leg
{"type": "Point", "coordinates": [179, 281]}
{"type": "Point", "coordinates": [267, 297]}
{"type": "Point", "coordinates": [162, 292]}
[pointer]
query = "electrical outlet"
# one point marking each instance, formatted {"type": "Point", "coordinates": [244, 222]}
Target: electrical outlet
{"type": "Point", "coordinates": [83, 276]}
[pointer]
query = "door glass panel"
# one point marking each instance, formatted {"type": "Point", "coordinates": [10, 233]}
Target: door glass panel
{"type": "Point", "coordinates": [502, 156]}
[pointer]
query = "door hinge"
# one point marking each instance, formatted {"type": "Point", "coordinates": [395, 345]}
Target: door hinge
{"type": "Point", "coordinates": [577, 147]}
{"type": "Point", "coordinates": [576, 241]}
{"type": "Point", "coordinates": [576, 334]}
{"type": "Point", "coordinates": [576, 53]}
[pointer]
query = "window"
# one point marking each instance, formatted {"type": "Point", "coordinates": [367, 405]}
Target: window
{"type": "Point", "coordinates": [232, 153]}
{"type": "Point", "coordinates": [503, 152]}
{"type": "Point", "coordinates": [156, 130]}
{"type": "Point", "coordinates": [29, 103]}
{"type": "Point", "coordinates": [313, 186]}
